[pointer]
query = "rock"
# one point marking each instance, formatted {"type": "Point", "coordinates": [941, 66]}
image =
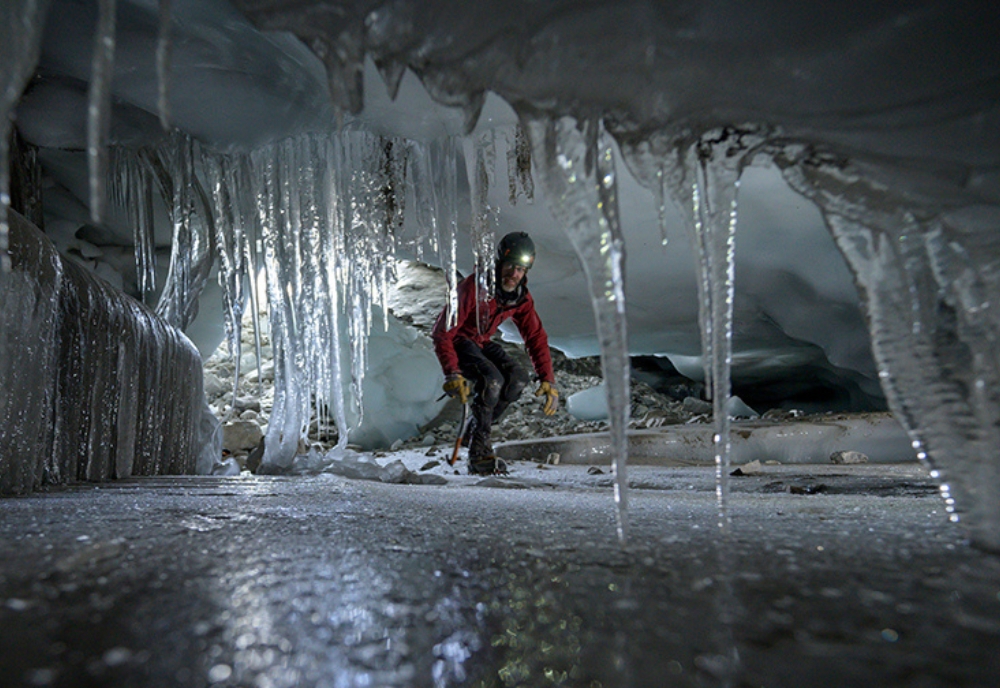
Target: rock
{"type": "Point", "coordinates": [749, 468]}
{"type": "Point", "coordinates": [253, 416]}
{"type": "Point", "coordinates": [396, 446]}
{"type": "Point", "coordinates": [737, 408]}
{"type": "Point", "coordinates": [426, 479]}
{"type": "Point", "coordinates": [594, 470]}
{"type": "Point", "coordinates": [692, 405]}
{"type": "Point", "coordinates": [552, 459]}
{"type": "Point", "coordinates": [429, 465]}
{"type": "Point", "coordinates": [428, 440]}
{"type": "Point", "coordinates": [214, 385]}
{"type": "Point", "coordinates": [394, 472]}
{"type": "Point", "coordinates": [247, 404]}
{"type": "Point", "coordinates": [228, 466]}
{"type": "Point", "coordinates": [241, 435]}
{"type": "Point", "coordinates": [256, 456]}
{"type": "Point", "coordinates": [848, 457]}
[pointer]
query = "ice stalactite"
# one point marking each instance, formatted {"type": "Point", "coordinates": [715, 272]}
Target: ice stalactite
{"type": "Point", "coordinates": [575, 166]}
{"type": "Point", "coordinates": [700, 174]}
{"type": "Point", "coordinates": [21, 24]}
{"type": "Point", "coordinates": [927, 269]}
{"type": "Point", "coordinates": [191, 255]}
{"type": "Point", "coordinates": [280, 256]}
{"type": "Point", "coordinates": [480, 159]}
{"type": "Point", "coordinates": [99, 107]}
{"type": "Point", "coordinates": [434, 175]}
{"type": "Point", "coordinates": [519, 181]}
{"type": "Point", "coordinates": [232, 224]}
{"type": "Point", "coordinates": [131, 188]}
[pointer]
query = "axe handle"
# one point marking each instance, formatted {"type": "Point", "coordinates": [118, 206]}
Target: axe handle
{"type": "Point", "coordinates": [461, 431]}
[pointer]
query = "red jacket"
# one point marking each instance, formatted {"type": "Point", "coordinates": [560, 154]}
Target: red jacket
{"type": "Point", "coordinates": [524, 315]}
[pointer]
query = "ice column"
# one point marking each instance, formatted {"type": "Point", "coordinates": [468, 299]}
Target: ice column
{"type": "Point", "coordinates": [928, 271]}
{"type": "Point", "coordinates": [575, 166]}
{"type": "Point", "coordinates": [21, 23]}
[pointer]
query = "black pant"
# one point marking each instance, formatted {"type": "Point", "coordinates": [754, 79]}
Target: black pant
{"type": "Point", "coordinates": [497, 381]}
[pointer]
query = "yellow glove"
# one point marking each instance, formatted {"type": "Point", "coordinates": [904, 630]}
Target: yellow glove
{"type": "Point", "coordinates": [458, 386]}
{"type": "Point", "coordinates": [551, 397]}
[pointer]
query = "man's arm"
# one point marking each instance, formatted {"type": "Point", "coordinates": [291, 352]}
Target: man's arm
{"type": "Point", "coordinates": [444, 338]}
{"type": "Point", "coordinates": [536, 341]}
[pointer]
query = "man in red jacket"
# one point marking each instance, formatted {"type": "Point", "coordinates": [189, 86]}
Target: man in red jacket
{"type": "Point", "coordinates": [470, 359]}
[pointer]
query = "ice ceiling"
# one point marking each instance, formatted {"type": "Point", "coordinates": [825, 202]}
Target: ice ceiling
{"type": "Point", "coordinates": [793, 189]}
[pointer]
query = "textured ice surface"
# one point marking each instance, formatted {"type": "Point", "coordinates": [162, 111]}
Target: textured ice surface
{"type": "Point", "coordinates": [95, 385]}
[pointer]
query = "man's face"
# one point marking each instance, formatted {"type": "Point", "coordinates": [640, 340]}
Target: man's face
{"type": "Point", "coordinates": [511, 276]}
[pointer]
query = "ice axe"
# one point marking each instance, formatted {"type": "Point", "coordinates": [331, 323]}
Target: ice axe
{"type": "Point", "coordinates": [461, 432]}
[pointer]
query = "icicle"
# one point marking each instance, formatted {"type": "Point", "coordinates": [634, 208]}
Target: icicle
{"type": "Point", "coordinates": [332, 248]}
{"type": "Point", "coordinates": [229, 233]}
{"type": "Point", "coordinates": [701, 175]}
{"type": "Point", "coordinates": [519, 181]}
{"type": "Point", "coordinates": [253, 248]}
{"type": "Point", "coordinates": [927, 273]}
{"type": "Point", "coordinates": [442, 163]}
{"type": "Point", "coordinates": [576, 169]}
{"type": "Point", "coordinates": [143, 230]}
{"type": "Point", "coordinates": [131, 190]}
{"type": "Point", "coordinates": [478, 154]}
{"type": "Point", "coordinates": [191, 254]}
{"type": "Point", "coordinates": [424, 194]}
{"type": "Point", "coordinates": [286, 424]}
{"type": "Point", "coordinates": [471, 109]}
{"type": "Point", "coordinates": [99, 107]}
{"type": "Point", "coordinates": [164, 50]}
{"type": "Point", "coordinates": [21, 23]}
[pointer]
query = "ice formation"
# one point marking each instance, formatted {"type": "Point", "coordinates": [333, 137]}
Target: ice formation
{"type": "Point", "coordinates": [111, 390]}
{"type": "Point", "coordinates": [885, 117]}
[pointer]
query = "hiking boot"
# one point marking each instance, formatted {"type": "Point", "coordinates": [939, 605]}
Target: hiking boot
{"type": "Point", "coordinates": [480, 446]}
{"type": "Point", "coordinates": [487, 465]}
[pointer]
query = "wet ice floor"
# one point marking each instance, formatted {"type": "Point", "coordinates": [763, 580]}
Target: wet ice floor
{"type": "Point", "coordinates": [325, 581]}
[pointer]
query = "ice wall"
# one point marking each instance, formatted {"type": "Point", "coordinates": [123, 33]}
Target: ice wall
{"type": "Point", "coordinates": [95, 385]}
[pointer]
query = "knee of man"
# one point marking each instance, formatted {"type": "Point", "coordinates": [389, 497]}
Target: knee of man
{"type": "Point", "coordinates": [491, 392]}
{"type": "Point", "coordinates": [519, 379]}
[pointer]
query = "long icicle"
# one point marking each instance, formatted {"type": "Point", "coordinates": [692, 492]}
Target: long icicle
{"type": "Point", "coordinates": [576, 169]}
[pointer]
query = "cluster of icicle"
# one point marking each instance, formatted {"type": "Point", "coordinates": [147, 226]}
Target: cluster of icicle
{"type": "Point", "coordinates": [321, 216]}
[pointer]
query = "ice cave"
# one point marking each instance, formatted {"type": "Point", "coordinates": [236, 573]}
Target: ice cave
{"type": "Point", "coordinates": [770, 204]}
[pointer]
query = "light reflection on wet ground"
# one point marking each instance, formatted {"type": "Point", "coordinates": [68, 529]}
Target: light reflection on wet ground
{"type": "Point", "coordinates": [321, 581]}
